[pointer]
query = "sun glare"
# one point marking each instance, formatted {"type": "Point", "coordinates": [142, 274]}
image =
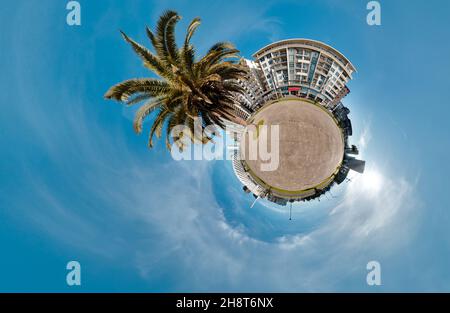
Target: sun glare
{"type": "Point", "coordinates": [371, 181]}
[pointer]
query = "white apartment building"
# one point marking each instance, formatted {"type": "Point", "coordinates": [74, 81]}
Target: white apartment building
{"type": "Point", "coordinates": [302, 67]}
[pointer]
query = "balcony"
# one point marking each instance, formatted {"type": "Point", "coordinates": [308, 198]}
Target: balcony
{"type": "Point", "coordinates": [279, 66]}
{"type": "Point", "coordinates": [279, 55]}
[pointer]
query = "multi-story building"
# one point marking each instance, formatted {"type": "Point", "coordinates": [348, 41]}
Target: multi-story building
{"type": "Point", "coordinates": [308, 70]}
{"type": "Point", "coordinates": [303, 67]}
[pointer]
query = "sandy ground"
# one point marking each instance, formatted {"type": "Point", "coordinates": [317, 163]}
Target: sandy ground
{"type": "Point", "coordinates": [311, 146]}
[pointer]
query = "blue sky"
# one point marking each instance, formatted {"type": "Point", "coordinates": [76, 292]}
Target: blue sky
{"type": "Point", "coordinates": [76, 182]}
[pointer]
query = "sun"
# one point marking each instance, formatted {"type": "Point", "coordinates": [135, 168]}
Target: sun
{"type": "Point", "coordinates": [371, 181]}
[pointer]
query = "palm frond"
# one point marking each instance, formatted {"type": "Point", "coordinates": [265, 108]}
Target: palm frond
{"type": "Point", "coordinates": [166, 46]}
{"type": "Point", "coordinates": [188, 52]}
{"type": "Point", "coordinates": [143, 112]}
{"type": "Point", "coordinates": [191, 30]}
{"type": "Point", "coordinates": [151, 61]}
{"type": "Point", "coordinates": [158, 125]}
{"type": "Point", "coordinates": [228, 70]}
{"type": "Point", "coordinates": [122, 91]}
{"type": "Point", "coordinates": [138, 98]}
{"type": "Point", "coordinates": [151, 36]}
{"type": "Point", "coordinates": [176, 119]}
{"type": "Point", "coordinates": [215, 55]}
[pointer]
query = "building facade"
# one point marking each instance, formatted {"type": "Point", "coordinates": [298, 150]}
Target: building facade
{"type": "Point", "coordinates": [303, 67]}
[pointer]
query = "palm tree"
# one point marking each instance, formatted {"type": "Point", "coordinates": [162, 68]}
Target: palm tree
{"type": "Point", "coordinates": [187, 88]}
